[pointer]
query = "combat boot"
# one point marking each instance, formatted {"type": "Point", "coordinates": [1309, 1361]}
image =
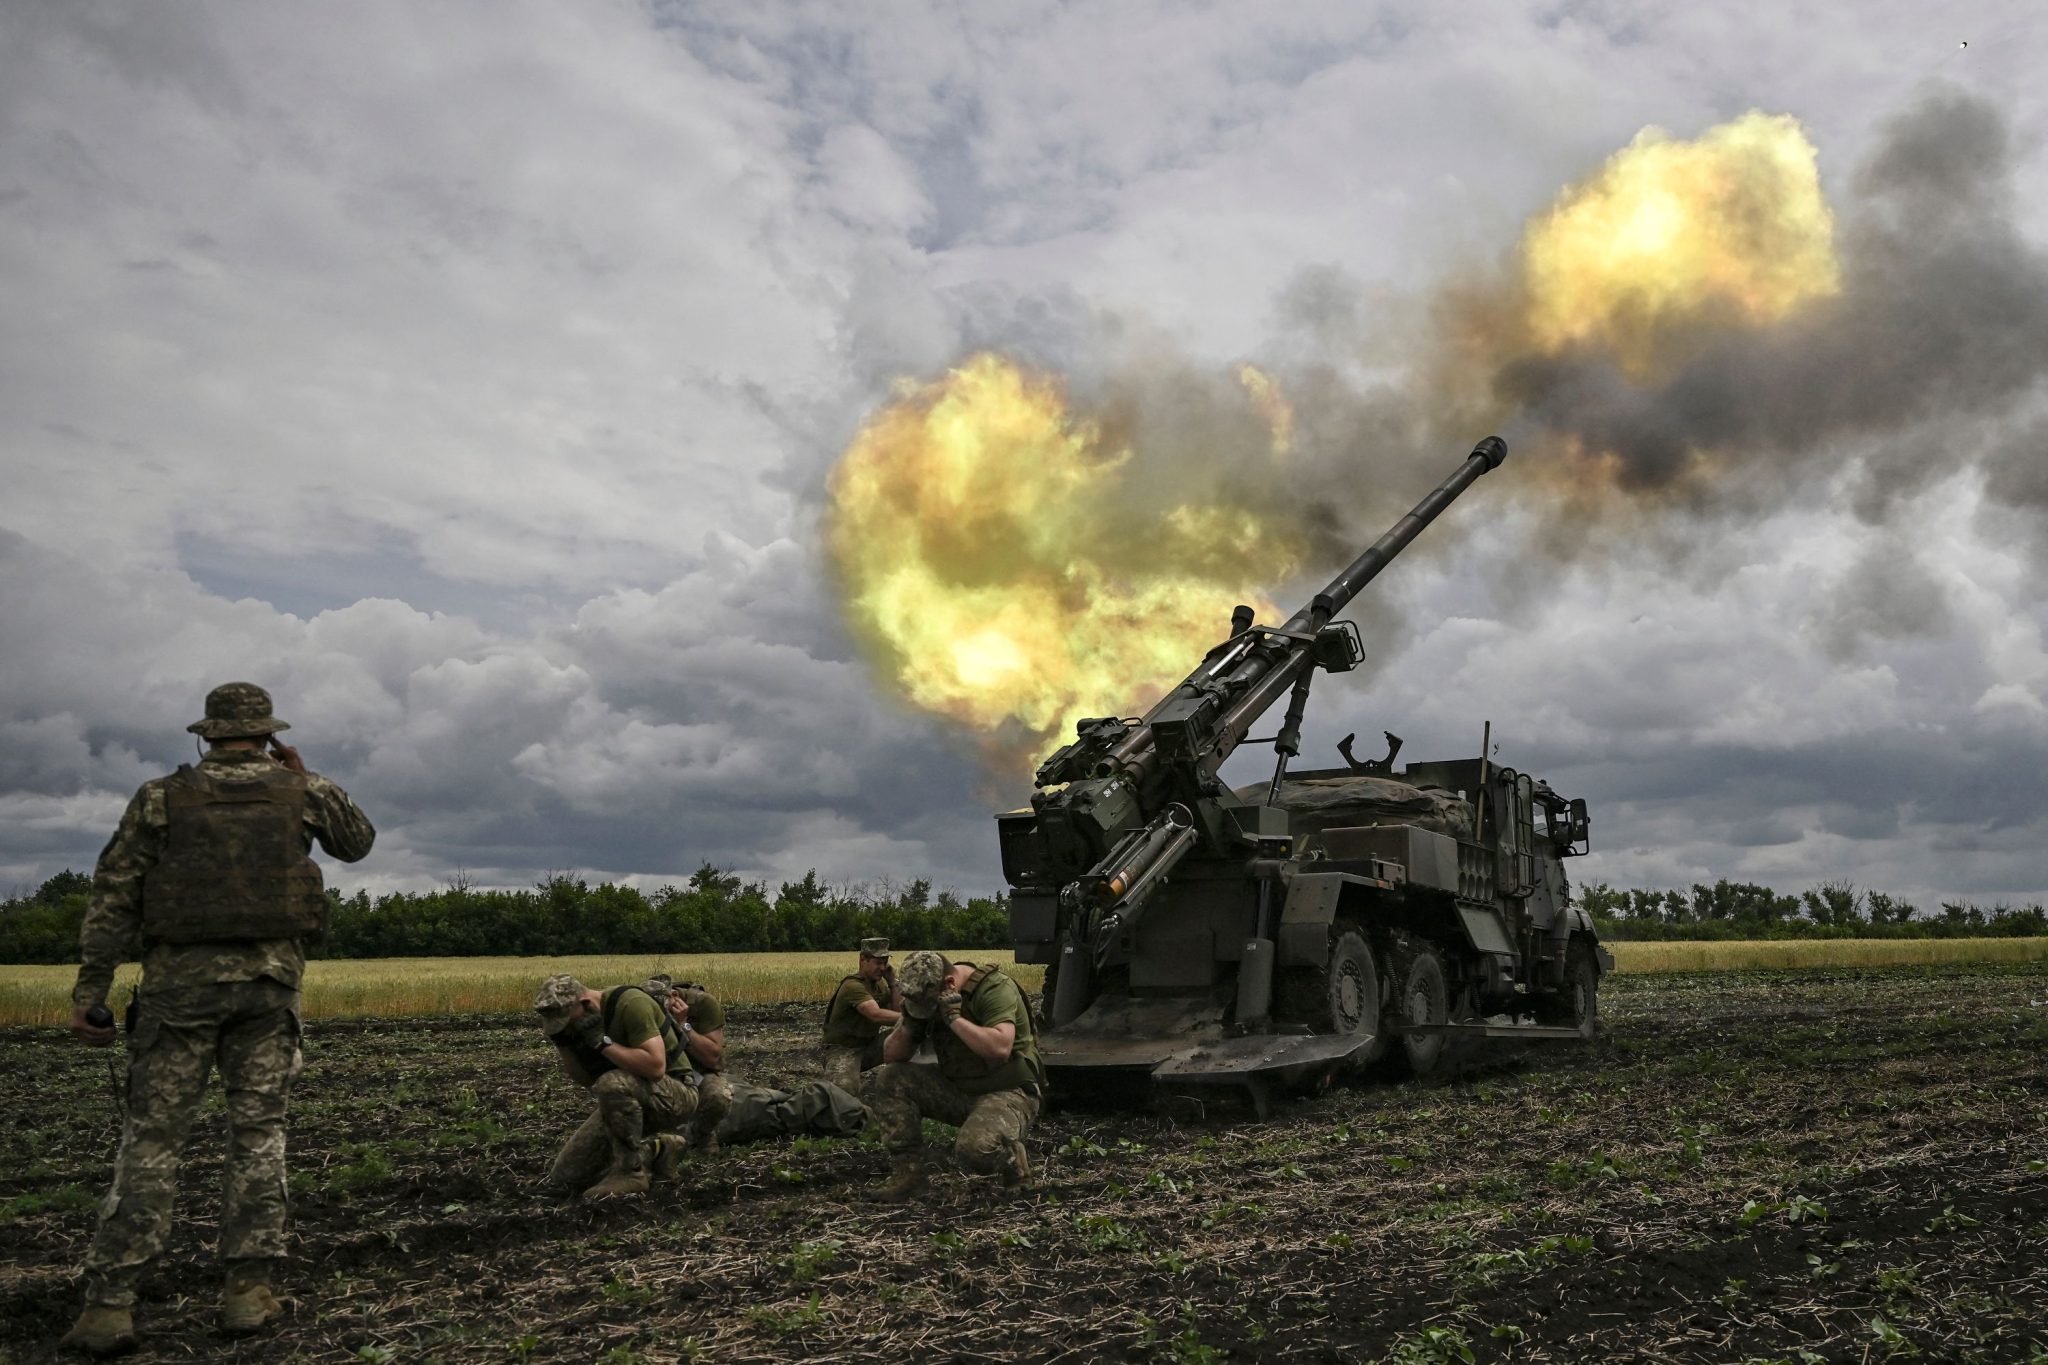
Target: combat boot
{"type": "Point", "coordinates": [101, 1331]}
{"type": "Point", "coordinates": [704, 1143]}
{"type": "Point", "coordinates": [621, 1181]}
{"type": "Point", "coordinates": [667, 1161]}
{"type": "Point", "coordinates": [1016, 1169]}
{"type": "Point", "coordinates": [906, 1179]}
{"type": "Point", "coordinates": [246, 1304]}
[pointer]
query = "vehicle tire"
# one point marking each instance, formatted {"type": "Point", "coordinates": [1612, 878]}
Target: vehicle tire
{"type": "Point", "coordinates": [1341, 996]}
{"type": "Point", "coordinates": [1576, 1003]}
{"type": "Point", "coordinates": [1351, 987]}
{"type": "Point", "coordinates": [1422, 995]}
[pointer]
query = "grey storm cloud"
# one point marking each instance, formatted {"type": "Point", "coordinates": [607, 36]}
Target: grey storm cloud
{"type": "Point", "coordinates": [469, 374]}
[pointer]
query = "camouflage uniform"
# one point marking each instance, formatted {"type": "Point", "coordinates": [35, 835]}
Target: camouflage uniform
{"type": "Point", "coordinates": [631, 1112]}
{"type": "Point", "coordinates": [853, 1042]}
{"type": "Point", "coordinates": [992, 1104]}
{"type": "Point", "coordinates": [234, 1005]}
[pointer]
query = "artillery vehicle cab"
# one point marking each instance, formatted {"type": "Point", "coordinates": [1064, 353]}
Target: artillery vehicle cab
{"type": "Point", "coordinates": [1289, 932]}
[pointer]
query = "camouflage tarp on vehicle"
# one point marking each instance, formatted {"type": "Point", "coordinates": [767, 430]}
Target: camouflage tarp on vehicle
{"type": "Point", "coordinates": [1319, 803]}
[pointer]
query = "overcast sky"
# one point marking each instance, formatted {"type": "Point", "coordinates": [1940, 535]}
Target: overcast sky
{"type": "Point", "coordinates": [468, 375]}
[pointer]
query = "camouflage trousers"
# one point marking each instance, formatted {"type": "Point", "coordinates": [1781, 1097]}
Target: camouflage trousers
{"type": "Point", "coordinates": [906, 1094]}
{"type": "Point", "coordinates": [250, 1029]}
{"type": "Point", "coordinates": [843, 1065]}
{"type": "Point", "coordinates": [629, 1112]}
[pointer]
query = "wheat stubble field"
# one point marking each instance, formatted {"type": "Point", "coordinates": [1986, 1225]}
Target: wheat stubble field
{"type": "Point", "coordinates": [1826, 1163]}
{"type": "Point", "coordinates": [383, 988]}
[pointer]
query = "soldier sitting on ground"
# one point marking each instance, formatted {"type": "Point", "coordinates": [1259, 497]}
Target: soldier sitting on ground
{"type": "Point", "coordinates": [988, 1080]}
{"type": "Point", "coordinates": [652, 1069]}
{"type": "Point", "coordinates": [865, 1004]}
{"type": "Point", "coordinates": [209, 873]}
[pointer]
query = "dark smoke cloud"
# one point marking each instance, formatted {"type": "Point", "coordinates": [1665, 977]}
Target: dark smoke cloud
{"type": "Point", "coordinates": [1936, 345]}
{"type": "Point", "coordinates": [1929, 362]}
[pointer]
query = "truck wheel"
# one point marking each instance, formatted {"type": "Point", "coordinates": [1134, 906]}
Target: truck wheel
{"type": "Point", "coordinates": [1351, 987]}
{"type": "Point", "coordinates": [1422, 996]}
{"type": "Point", "coordinates": [1577, 1001]}
{"type": "Point", "coordinates": [1341, 996]}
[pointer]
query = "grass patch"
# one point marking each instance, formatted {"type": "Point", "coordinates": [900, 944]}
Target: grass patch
{"type": "Point", "coordinates": [63, 1199]}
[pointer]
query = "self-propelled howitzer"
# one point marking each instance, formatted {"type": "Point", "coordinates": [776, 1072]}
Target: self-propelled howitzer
{"type": "Point", "coordinates": [1194, 931]}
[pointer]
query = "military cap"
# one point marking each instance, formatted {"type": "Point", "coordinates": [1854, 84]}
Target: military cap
{"type": "Point", "coordinates": [237, 710]}
{"type": "Point", "coordinates": [874, 947]}
{"type": "Point", "coordinates": [921, 978]}
{"type": "Point", "coordinates": [552, 1003]}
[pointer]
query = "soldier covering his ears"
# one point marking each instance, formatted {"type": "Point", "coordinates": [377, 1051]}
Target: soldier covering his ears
{"type": "Point", "coordinates": [208, 873]}
{"type": "Point", "coordinates": [988, 1080]}
{"type": "Point", "coordinates": [650, 1055]}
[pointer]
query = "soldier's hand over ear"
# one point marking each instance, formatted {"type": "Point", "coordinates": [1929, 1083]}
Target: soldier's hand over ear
{"type": "Point", "coordinates": [585, 1031]}
{"type": "Point", "coordinates": [949, 1007]}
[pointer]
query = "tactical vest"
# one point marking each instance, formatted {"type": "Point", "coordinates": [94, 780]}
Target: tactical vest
{"type": "Point", "coordinates": [974, 1074]}
{"type": "Point", "coordinates": [234, 866]}
{"type": "Point", "coordinates": [845, 1036]}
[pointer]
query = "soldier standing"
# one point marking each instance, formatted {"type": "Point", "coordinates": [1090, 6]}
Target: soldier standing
{"type": "Point", "coordinates": [209, 872]}
{"type": "Point", "coordinates": [651, 1064]}
{"type": "Point", "coordinates": [988, 1080]}
{"type": "Point", "coordinates": [865, 1004]}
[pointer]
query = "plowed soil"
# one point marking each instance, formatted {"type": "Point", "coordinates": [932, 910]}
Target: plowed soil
{"type": "Point", "coordinates": [1844, 1165]}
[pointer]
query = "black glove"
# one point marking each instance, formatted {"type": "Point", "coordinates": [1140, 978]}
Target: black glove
{"type": "Point", "coordinates": [585, 1032]}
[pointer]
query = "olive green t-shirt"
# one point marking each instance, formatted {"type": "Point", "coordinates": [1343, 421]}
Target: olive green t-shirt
{"type": "Point", "coordinates": [845, 1025]}
{"type": "Point", "coordinates": [996, 1000]}
{"type": "Point", "coordinates": [706, 1015]}
{"type": "Point", "coordinates": [635, 1017]}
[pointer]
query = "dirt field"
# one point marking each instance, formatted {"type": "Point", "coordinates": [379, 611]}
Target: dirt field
{"type": "Point", "coordinates": [1848, 1164]}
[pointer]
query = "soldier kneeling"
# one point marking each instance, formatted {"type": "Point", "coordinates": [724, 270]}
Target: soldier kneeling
{"type": "Point", "coordinates": [988, 1080]}
{"type": "Point", "coordinates": [652, 1066]}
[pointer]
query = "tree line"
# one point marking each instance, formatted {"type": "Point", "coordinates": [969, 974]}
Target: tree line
{"type": "Point", "coordinates": [714, 912]}
{"type": "Point", "coordinates": [717, 912]}
{"type": "Point", "coordinates": [1834, 909]}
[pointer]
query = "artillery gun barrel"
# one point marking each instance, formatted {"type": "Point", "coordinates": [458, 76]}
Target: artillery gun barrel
{"type": "Point", "coordinates": [1260, 678]}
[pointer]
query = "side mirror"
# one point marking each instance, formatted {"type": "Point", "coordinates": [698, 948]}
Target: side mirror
{"type": "Point", "coordinates": [1581, 821]}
